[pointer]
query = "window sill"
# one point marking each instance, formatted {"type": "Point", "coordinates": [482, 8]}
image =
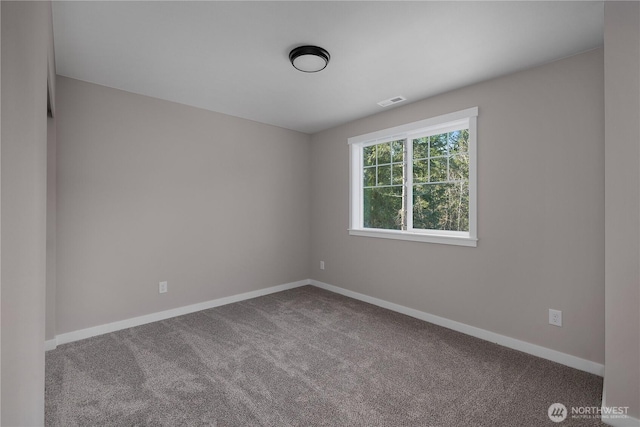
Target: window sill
{"type": "Point", "coordinates": [416, 237]}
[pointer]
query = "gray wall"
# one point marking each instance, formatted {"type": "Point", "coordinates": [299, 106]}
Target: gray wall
{"type": "Point", "coordinates": [150, 190]}
{"type": "Point", "coordinates": [26, 52]}
{"type": "Point", "coordinates": [50, 291]}
{"type": "Point", "coordinates": [622, 176]}
{"type": "Point", "coordinates": [540, 212]}
{"type": "Point", "coordinates": [50, 310]}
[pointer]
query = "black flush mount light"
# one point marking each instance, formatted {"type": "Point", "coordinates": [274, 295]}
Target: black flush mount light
{"type": "Point", "coordinates": [309, 59]}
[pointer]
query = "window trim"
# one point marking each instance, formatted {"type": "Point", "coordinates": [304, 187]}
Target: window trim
{"type": "Point", "coordinates": [426, 127]}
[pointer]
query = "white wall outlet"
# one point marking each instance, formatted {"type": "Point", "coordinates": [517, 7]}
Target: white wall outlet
{"type": "Point", "coordinates": [555, 317]}
{"type": "Point", "coordinates": [321, 265]}
{"type": "Point", "coordinates": [163, 287]}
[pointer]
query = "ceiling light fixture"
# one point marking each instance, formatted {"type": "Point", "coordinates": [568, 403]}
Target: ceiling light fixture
{"type": "Point", "coordinates": [309, 59]}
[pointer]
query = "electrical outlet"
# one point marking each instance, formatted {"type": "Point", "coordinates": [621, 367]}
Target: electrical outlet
{"type": "Point", "coordinates": [163, 287]}
{"type": "Point", "coordinates": [321, 265]}
{"type": "Point", "coordinates": [555, 317]}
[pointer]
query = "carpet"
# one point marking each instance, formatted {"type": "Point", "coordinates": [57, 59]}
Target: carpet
{"type": "Point", "coordinates": [305, 357]}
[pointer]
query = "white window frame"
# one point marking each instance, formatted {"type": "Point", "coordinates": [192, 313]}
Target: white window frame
{"type": "Point", "coordinates": [427, 127]}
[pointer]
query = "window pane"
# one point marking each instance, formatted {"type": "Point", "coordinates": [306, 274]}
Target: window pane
{"type": "Point", "coordinates": [464, 140]}
{"type": "Point", "coordinates": [369, 155]}
{"type": "Point", "coordinates": [370, 176]}
{"type": "Point", "coordinates": [384, 153]}
{"type": "Point", "coordinates": [383, 208]}
{"type": "Point", "coordinates": [397, 151]}
{"type": "Point", "coordinates": [421, 171]}
{"type": "Point", "coordinates": [459, 167]}
{"type": "Point", "coordinates": [459, 141]}
{"type": "Point", "coordinates": [437, 177]}
{"type": "Point", "coordinates": [452, 140]}
{"type": "Point", "coordinates": [441, 206]}
{"type": "Point", "coordinates": [397, 173]}
{"type": "Point", "coordinates": [438, 169]}
{"type": "Point", "coordinates": [384, 175]}
{"type": "Point", "coordinates": [438, 145]}
{"type": "Point", "coordinates": [421, 148]}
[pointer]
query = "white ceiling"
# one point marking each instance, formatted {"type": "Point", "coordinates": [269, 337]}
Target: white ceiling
{"type": "Point", "coordinates": [232, 57]}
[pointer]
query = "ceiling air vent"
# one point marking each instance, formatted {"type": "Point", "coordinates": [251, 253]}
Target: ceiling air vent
{"type": "Point", "coordinates": [391, 101]}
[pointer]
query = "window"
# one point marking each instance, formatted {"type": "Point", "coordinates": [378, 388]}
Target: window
{"type": "Point", "coordinates": [417, 181]}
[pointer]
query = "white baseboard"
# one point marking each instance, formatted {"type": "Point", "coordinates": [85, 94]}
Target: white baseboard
{"type": "Point", "coordinates": [533, 349]}
{"type": "Point", "coordinates": [536, 350]}
{"type": "Point", "coordinates": [167, 314]}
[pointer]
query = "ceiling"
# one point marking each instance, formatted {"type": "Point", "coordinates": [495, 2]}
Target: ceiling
{"type": "Point", "coordinates": [232, 57]}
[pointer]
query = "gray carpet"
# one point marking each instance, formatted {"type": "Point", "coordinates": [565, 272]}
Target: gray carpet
{"type": "Point", "coordinates": [304, 357]}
